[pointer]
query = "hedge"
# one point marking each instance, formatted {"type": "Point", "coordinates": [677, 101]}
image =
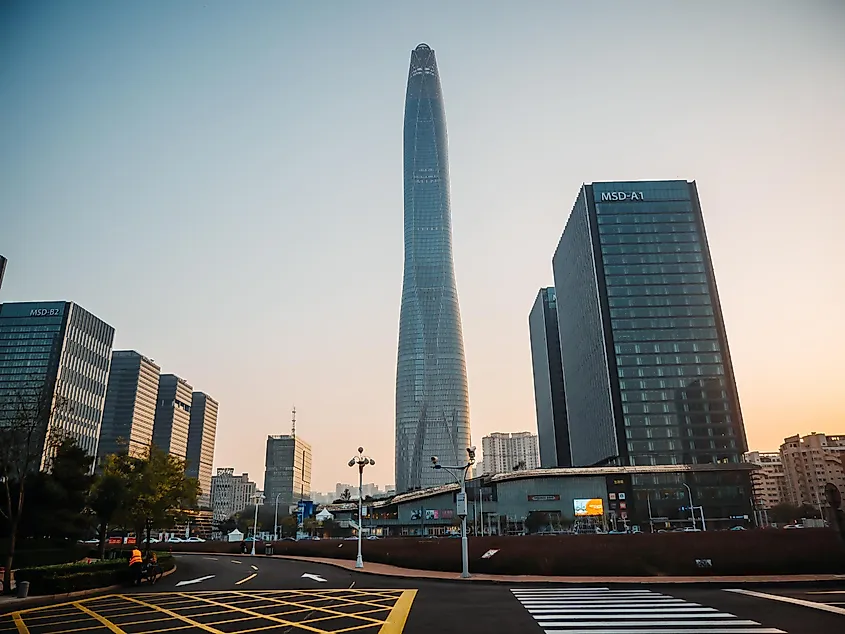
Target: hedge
{"type": "Point", "coordinates": [67, 578]}
{"type": "Point", "coordinates": [754, 552]}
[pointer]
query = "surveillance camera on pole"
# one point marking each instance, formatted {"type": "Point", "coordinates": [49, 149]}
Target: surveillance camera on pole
{"type": "Point", "coordinates": [460, 475]}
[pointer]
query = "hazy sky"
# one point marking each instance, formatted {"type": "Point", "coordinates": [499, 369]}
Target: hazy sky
{"type": "Point", "coordinates": [222, 182]}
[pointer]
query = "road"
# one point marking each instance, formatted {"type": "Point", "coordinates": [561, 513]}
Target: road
{"type": "Point", "coordinates": [224, 594]}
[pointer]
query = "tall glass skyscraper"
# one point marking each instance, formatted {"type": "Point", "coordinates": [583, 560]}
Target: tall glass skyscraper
{"type": "Point", "coordinates": [432, 400]}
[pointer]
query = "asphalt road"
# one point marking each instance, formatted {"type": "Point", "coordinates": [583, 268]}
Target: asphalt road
{"type": "Point", "coordinates": [225, 594]}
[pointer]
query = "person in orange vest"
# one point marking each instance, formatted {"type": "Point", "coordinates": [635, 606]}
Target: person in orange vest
{"type": "Point", "coordinates": [136, 565]}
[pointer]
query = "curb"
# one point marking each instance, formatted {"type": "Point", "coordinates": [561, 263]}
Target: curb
{"type": "Point", "coordinates": [706, 582]}
{"type": "Point", "coordinates": [18, 604]}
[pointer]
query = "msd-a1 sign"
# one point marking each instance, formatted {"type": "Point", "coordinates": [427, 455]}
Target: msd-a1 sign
{"type": "Point", "coordinates": [620, 196]}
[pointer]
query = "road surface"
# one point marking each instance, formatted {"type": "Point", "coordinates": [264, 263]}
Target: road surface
{"type": "Point", "coordinates": [224, 594]}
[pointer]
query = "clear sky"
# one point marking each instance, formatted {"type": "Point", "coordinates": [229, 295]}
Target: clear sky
{"type": "Point", "coordinates": [222, 182]}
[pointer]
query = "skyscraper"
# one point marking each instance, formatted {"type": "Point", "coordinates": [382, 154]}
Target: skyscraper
{"type": "Point", "coordinates": [432, 400]}
{"type": "Point", "coordinates": [2, 269]}
{"type": "Point", "coordinates": [549, 397]}
{"type": "Point", "coordinates": [510, 452]}
{"type": "Point", "coordinates": [130, 407]}
{"type": "Point", "coordinates": [287, 470]}
{"type": "Point", "coordinates": [173, 415]}
{"type": "Point", "coordinates": [202, 433]}
{"type": "Point", "coordinates": [49, 351]}
{"type": "Point", "coordinates": [647, 370]}
{"type": "Point", "coordinates": [230, 493]}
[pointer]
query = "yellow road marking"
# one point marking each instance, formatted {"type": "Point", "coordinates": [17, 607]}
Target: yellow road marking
{"type": "Point", "coordinates": [347, 599]}
{"type": "Point", "coordinates": [79, 629]}
{"type": "Point", "coordinates": [22, 628]}
{"type": "Point", "coordinates": [252, 576]}
{"type": "Point", "coordinates": [114, 628]}
{"type": "Point", "coordinates": [184, 619]}
{"type": "Point", "coordinates": [399, 614]}
{"type": "Point", "coordinates": [51, 615]}
{"type": "Point", "coordinates": [268, 617]}
{"type": "Point", "coordinates": [352, 615]}
{"type": "Point", "coordinates": [169, 629]}
{"type": "Point", "coordinates": [333, 613]}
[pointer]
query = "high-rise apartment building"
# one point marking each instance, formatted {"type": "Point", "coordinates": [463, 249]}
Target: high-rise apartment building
{"type": "Point", "coordinates": [647, 369]}
{"type": "Point", "coordinates": [287, 469]}
{"type": "Point", "coordinates": [809, 463]}
{"type": "Point", "coordinates": [130, 405]}
{"type": "Point", "coordinates": [173, 415]}
{"type": "Point", "coordinates": [55, 352]}
{"type": "Point", "coordinates": [202, 432]}
{"type": "Point", "coordinates": [2, 269]}
{"type": "Point", "coordinates": [230, 493]}
{"type": "Point", "coordinates": [509, 452]}
{"type": "Point", "coordinates": [549, 396]}
{"type": "Point", "coordinates": [769, 481]}
{"type": "Point", "coordinates": [432, 399]}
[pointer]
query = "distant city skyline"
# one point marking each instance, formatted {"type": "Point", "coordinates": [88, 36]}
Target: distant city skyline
{"type": "Point", "coordinates": [237, 209]}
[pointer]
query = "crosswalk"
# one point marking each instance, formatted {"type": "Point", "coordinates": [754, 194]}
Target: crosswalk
{"type": "Point", "coordinates": [568, 610]}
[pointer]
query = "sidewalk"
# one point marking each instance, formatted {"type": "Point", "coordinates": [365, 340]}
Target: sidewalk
{"type": "Point", "coordinates": [394, 571]}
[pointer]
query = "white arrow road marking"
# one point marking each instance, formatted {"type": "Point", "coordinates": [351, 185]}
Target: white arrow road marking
{"type": "Point", "coordinates": [197, 580]}
{"type": "Point", "coordinates": [306, 575]}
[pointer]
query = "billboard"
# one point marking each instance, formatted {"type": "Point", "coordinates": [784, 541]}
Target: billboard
{"type": "Point", "coordinates": [592, 506]}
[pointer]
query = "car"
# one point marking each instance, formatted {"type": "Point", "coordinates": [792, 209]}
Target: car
{"type": "Point", "coordinates": [792, 526]}
{"type": "Point", "coordinates": [195, 540]}
{"type": "Point", "coordinates": [175, 540]}
{"type": "Point", "coordinates": [738, 528]}
{"type": "Point", "coordinates": [373, 537]}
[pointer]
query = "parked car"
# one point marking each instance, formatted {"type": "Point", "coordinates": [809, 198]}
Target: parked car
{"type": "Point", "coordinates": [194, 540]}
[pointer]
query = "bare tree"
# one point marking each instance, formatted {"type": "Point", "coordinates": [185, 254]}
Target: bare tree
{"type": "Point", "coordinates": [25, 438]}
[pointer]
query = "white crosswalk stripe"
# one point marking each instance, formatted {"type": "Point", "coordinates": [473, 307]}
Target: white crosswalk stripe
{"type": "Point", "coordinates": [568, 610]}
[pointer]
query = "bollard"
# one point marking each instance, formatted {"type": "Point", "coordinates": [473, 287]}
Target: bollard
{"type": "Point", "coordinates": [23, 589]}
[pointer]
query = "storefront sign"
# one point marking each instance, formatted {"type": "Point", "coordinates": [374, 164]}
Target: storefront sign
{"type": "Point", "coordinates": [543, 498]}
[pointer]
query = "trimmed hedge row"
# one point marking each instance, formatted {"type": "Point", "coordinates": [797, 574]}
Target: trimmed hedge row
{"type": "Point", "coordinates": [66, 578]}
{"type": "Point", "coordinates": [756, 552]}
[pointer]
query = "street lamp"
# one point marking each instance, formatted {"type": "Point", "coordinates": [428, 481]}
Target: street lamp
{"type": "Point", "coordinates": [460, 475]}
{"type": "Point", "coordinates": [691, 504]}
{"type": "Point", "coordinates": [362, 461]}
{"type": "Point", "coordinates": [257, 497]}
{"type": "Point", "coordinates": [276, 519]}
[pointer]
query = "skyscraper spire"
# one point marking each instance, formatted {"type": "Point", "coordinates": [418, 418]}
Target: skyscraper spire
{"type": "Point", "coordinates": [432, 401]}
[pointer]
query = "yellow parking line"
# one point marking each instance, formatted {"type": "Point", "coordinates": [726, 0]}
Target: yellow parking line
{"type": "Point", "coordinates": [184, 619]}
{"type": "Point", "coordinates": [252, 576]}
{"type": "Point", "coordinates": [348, 600]}
{"type": "Point", "coordinates": [114, 628]}
{"type": "Point", "coordinates": [268, 617]}
{"type": "Point", "coordinates": [399, 614]}
{"type": "Point", "coordinates": [79, 629]}
{"type": "Point", "coordinates": [333, 613]}
{"type": "Point", "coordinates": [22, 628]}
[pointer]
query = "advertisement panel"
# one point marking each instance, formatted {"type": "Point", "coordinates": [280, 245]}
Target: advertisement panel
{"type": "Point", "coordinates": [585, 507]}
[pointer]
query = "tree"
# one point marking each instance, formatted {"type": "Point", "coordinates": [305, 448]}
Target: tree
{"type": "Point", "coordinates": [108, 495]}
{"type": "Point", "coordinates": [25, 438]}
{"type": "Point", "coordinates": [520, 466]}
{"type": "Point", "coordinates": [536, 520]}
{"type": "Point", "coordinates": [266, 518]}
{"type": "Point", "coordinates": [158, 493]}
{"type": "Point", "coordinates": [346, 495]}
{"type": "Point", "coordinates": [785, 513]}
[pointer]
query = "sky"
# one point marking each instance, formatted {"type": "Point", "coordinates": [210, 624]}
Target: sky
{"type": "Point", "coordinates": [222, 183]}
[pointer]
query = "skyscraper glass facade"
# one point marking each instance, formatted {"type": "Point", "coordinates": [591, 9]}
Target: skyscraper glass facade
{"type": "Point", "coordinates": [549, 396]}
{"type": "Point", "coordinates": [287, 470]}
{"type": "Point", "coordinates": [432, 400]}
{"type": "Point", "coordinates": [173, 415]}
{"type": "Point", "coordinates": [201, 436]}
{"type": "Point", "coordinates": [55, 350]}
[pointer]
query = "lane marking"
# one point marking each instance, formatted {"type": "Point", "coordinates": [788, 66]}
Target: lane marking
{"type": "Point", "coordinates": [254, 567]}
{"type": "Point", "coordinates": [661, 623]}
{"type": "Point", "coordinates": [399, 614]}
{"type": "Point", "coordinates": [827, 592]}
{"type": "Point", "coordinates": [22, 628]}
{"type": "Point", "coordinates": [673, 611]}
{"type": "Point", "coordinates": [792, 600]}
{"type": "Point", "coordinates": [111, 626]}
{"type": "Point", "coordinates": [235, 561]}
{"type": "Point", "coordinates": [308, 575]}
{"type": "Point", "coordinates": [211, 558]}
{"type": "Point", "coordinates": [175, 615]}
{"type": "Point", "coordinates": [566, 616]}
{"type": "Point", "coordinates": [245, 579]}
{"type": "Point", "coordinates": [684, 630]}
{"type": "Point", "coordinates": [352, 585]}
{"type": "Point", "coordinates": [327, 609]}
{"type": "Point", "coordinates": [197, 580]}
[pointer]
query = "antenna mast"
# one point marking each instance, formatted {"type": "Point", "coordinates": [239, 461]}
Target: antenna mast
{"type": "Point", "coordinates": [293, 422]}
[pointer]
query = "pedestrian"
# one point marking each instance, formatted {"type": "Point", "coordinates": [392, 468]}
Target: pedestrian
{"type": "Point", "coordinates": [136, 566]}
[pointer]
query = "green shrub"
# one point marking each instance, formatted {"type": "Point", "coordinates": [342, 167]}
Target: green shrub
{"type": "Point", "coordinates": [65, 578]}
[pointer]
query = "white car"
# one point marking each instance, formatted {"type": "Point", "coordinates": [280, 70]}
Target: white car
{"type": "Point", "coordinates": [194, 540]}
{"type": "Point", "coordinates": [175, 540]}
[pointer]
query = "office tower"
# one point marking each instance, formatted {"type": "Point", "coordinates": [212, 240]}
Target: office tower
{"type": "Point", "coordinates": [202, 433]}
{"type": "Point", "coordinates": [2, 269]}
{"type": "Point", "coordinates": [55, 352]}
{"type": "Point", "coordinates": [230, 493]}
{"type": "Point", "coordinates": [173, 415]}
{"type": "Point", "coordinates": [432, 400]}
{"type": "Point", "coordinates": [809, 463]}
{"type": "Point", "coordinates": [549, 399]}
{"type": "Point", "coordinates": [647, 370]}
{"type": "Point", "coordinates": [130, 405]}
{"type": "Point", "coordinates": [769, 481]}
{"type": "Point", "coordinates": [287, 470]}
{"type": "Point", "coordinates": [510, 452]}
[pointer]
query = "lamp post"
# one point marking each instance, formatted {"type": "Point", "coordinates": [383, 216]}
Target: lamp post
{"type": "Point", "coordinates": [276, 519]}
{"type": "Point", "coordinates": [258, 497]}
{"type": "Point", "coordinates": [691, 504]}
{"type": "Point", "coordinates": [362, 461]}
{"type": "Point", "coordinates": [460, 475]}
